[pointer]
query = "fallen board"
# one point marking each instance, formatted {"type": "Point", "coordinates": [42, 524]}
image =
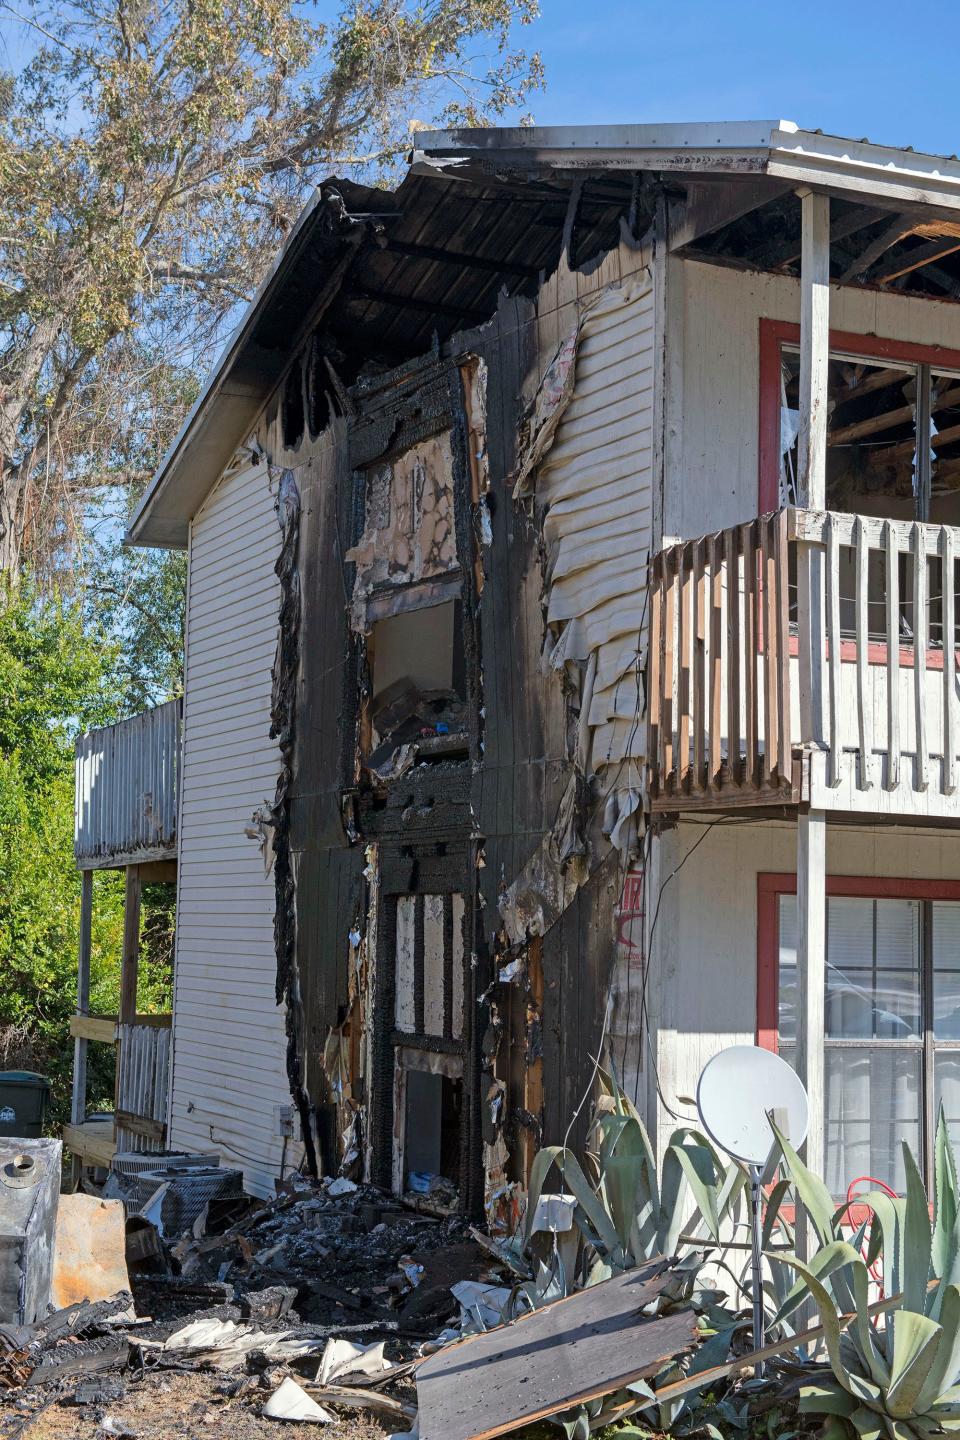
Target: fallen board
{"type": "Point", "coordinates": [576, 1349]}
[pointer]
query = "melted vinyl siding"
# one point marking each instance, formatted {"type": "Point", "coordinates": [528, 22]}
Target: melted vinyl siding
{"type": "Point", "coordinates": [597, 484]}
{"type": "Point", "coordinates": [229, 1045]}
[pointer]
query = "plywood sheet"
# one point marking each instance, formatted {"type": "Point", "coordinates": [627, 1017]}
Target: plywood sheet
{"type": "Point", "coordinates": [588, 1345]}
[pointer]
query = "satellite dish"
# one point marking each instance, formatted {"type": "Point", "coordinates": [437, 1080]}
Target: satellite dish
{"type": "Point", "coordinates": [737, 1092]}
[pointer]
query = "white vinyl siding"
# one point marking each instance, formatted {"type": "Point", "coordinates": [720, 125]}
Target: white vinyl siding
{"type": "Point", "coordinates": [596, 483]}
{"type": "Point", "coordinates": [229, 1071]}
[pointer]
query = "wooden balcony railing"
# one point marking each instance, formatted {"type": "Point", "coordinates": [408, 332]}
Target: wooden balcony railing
{"type": "Point", "coordinates": [811, 655]}
{"type": "Point", "coordinates": [143, 1050]}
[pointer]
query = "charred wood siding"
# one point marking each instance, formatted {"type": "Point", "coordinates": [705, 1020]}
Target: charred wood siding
{"type": "Point", "coordinates": [330, 891]}
{"type": "Point", "coordinates": [525, 770]}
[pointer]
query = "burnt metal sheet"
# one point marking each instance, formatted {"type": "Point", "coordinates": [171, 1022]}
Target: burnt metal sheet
{"type": "Point", "coordinates": [126, 779]}
{"type": "Point", "coordinates": [89, 1261]}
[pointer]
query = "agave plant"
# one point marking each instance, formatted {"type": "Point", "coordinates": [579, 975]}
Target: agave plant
{"type": "Point", "coordinates": [895, 1367]}
{"type": "Point", "coordinates": [629, 1213]}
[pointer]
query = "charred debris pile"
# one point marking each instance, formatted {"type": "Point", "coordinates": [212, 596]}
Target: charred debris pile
{"type": "Point", "coordinates": [323, 1297]}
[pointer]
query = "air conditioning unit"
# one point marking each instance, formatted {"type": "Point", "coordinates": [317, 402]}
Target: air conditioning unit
{"type": "Point", "coordinates": [132, 1163]}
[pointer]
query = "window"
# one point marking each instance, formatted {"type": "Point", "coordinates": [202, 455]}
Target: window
{"type": "Point", "coordinates": [892, 1017]}
{"type": "Point", "coordinates": [883, 396]}
{"type": "Point", "coordinates": [425, 944]}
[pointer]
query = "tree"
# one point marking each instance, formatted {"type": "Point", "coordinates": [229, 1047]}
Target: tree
{"type": "Point", "coordinates": [152, 155]}
{"type": "Point", "coordinates": [55, 678]}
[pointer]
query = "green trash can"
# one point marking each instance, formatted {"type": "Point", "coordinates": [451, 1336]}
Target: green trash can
{"type": "Point", "coordinates": [24, 1103]}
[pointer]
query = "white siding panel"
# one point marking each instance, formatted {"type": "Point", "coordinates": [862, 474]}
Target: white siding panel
{"type": "Point", "coordinates": [229, 1071]}
{"type": "Point", "coordinates": [595, 487]}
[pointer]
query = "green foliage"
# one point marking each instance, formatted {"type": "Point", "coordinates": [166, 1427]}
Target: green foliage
{"type": "Point", "coordinates": [895, 1373]}
{"type": "Point", "coordinates": [630, 1213]}
{"type": "Point", "coordinates": [136, 598]}
{"type": "Point", "coordinates": [54, 679]}
{"type": "Point", "coordinates": [39, 933]}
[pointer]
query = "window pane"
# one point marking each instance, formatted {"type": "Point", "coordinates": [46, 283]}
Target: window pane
{"type": "Point", "coordinates": [945, 408]}
{"type": "Point", "coordinates": [873, 969]}
{"type": "Point", "coordinates": [870, 434]}
{"type": "Point", "coordinates": [946, 970]}
{"type": "Point", "coordinates": [872, 1103]}
{"type": "Point", "coordinates": [788, 969]}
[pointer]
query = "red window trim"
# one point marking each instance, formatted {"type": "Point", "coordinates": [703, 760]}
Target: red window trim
{"type": "Point", "coordinates": [771, 885]}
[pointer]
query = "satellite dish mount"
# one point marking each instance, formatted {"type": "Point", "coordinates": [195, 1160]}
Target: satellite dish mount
{"type": "Point", "coordinates": [740, 1091]}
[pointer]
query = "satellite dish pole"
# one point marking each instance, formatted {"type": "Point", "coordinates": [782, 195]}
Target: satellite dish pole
{"type": "Point", "coordinates": [738, 1093]}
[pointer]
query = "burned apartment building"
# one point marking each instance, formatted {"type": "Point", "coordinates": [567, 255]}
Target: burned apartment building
{"type": "Point", "coordinates": [508, 724]}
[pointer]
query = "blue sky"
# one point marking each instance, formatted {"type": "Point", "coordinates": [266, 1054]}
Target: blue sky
{"type": "Point", "coordinates": [884, 70]}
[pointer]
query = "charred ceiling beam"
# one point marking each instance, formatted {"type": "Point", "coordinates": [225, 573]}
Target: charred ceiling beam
{"type": "Point", "coordinates": [426, 307]}
{"type": "Point", "coordinates": [916, 258]}
{"type": "Point", "coordinates": [901, 227]}
{"type": "Point", "coordinates": [459, 258]}
{"type": "Point", "coordinates": [841, 229]}
{"type": "Point", "coordinates": [948, 283]}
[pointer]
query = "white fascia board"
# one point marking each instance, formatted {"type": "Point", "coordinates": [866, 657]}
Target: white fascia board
{"type": "Point", "coordinates": [862, 168]}
{"type": "Point", "coordinates": [722, 145]}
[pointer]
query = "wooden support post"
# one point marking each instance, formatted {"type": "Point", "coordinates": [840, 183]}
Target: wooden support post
{"type": "Point", "coordinates": [812, 455]}
{"type": "Point", "coordinates": [131, 945]}
{"type": "Point", "coordinates": [811, 973]}
{"type": "Point", "coordinates": [78, 1105]}
{"type": "Point", "coordinates": [814, 347]}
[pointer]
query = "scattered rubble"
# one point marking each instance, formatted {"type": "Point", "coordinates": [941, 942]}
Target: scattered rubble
{"type": "Point", "coordinates": [314, 1304]}
{"type": "Point", "coordinates": [332, 1304]}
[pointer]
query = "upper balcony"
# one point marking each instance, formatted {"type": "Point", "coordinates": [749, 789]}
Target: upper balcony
{"type": "Point", "coordinates": [807, 657]}
{"type": "Point", "coordinates": [126, 778]}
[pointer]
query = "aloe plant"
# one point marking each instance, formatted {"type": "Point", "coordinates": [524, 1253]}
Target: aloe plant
{"type": "Point", "coordinates": [895, 1373]}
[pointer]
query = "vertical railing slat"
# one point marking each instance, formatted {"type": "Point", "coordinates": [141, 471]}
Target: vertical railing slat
{"type": "Point", "coordinates": [669, 664]}
{"type": "Point", "coordinates": [920, 632]}
{"type": "Point", "coordinates": [697, 778]}
{"type": "Point", "coordinates": [751, 643]}
{"type": "Point", "coordinates": [716, 658]}
{"type": "Point", "coordinates": [732, 559]}
{"type": "Point", "coordinates": [892, 574]}
{"type": "Point", "coordinates": [948, 611]}
{"type": "Point", "coordinates": [683, 663]}
{"type": "Point", "coordinates": [834, 649]}
{"type": "Point", "coordinates": [654, 701]}
{"type": "Point", "coordinates": [784, 741]}
{"type": "Point", "coordinates": [862, 552]}
{"type": "Point", "coordinates": [771, 725]}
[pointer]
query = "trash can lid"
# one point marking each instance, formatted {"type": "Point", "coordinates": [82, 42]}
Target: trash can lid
{"type": "Point", "coordinates": [24, 1077]}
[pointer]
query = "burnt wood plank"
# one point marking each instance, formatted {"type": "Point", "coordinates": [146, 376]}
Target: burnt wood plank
{"type": "Point", "coordinates": [588, 1345]}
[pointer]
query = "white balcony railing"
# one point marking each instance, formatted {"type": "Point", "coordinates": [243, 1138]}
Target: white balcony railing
{"type": "Point", "coordinates": [807, 655]}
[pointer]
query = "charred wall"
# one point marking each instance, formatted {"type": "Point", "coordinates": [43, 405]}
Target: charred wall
{"type": "Point", "coordinates": [468, 824]}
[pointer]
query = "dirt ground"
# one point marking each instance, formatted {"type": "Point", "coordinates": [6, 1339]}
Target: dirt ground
{"type": "Point", "coordinates": [187, 1407]}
